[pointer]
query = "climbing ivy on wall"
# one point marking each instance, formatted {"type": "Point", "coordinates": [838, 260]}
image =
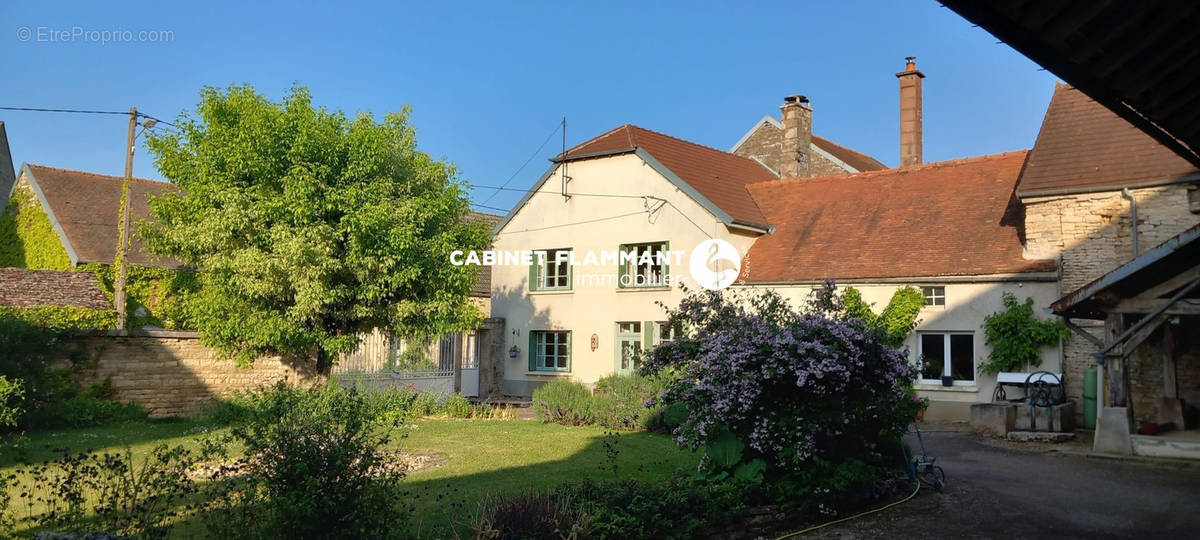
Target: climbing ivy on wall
{"type": "Point", "coordinates": [61, 318]}
{"type": "Point", "coordinates": [27, 239]}
{"type": "Point", "coordinates": [153, 296]}
{"type": "Point", "coordinates": [1016, 336]}
{"type": "Point", "coordinates": [896, 320]}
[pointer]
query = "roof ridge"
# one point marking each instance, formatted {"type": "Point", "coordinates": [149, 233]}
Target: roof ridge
{"type": "Point", "coordinates": [910, 168]}
{"type": "Point", "coordinates": [596, 138]}
{"type": "Point", "coordinates": [88, 173]}
{"type": "Point", "coordinates": [693, 143]}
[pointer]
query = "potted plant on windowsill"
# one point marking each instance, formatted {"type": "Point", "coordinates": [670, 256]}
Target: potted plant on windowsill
{"type": "Point", "coordinates": [947, 380]}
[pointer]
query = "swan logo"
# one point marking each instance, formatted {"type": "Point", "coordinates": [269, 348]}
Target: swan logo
{"type": "Point", "coordinates": [715, 264]}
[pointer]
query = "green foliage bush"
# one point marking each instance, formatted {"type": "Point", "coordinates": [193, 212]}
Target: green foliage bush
{"type": "Point", "coordinates": [78, 493]}
{"type": "Point", "coordinates": [1016, 336]}
{"type": "Point", "coordinates": [619, 402]}
{"type": "Point", "coordinates": [394, 405]}
{"type": "Point", "coordinates": [34, 352]}
{"type": "Point", "coordinates": [314, 469]}
{"type": "Point", "coordinates": [162, 295]}
{"type": "Point", "coordinates": [563, 402]}
{"type": "Point", "coordinates": [613, 509]}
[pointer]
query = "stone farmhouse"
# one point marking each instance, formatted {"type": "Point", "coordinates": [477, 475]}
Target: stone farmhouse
{"type": "Point", "coordinates": [799, 209]}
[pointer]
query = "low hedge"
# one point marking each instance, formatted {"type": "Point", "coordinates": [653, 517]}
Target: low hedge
{"type": "Point", "coordinates": [619, 402]}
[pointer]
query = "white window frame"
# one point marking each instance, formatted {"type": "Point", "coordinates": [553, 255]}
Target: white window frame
{"type": "Point", "coordinates": [548, 267]}
{"type": "Point", "coordinates": [655, 272]}
{"type": "Point", "coordinates": [946, 358]}
{"type": "Point", "coordinates": [665, 332]}
{"type": "Point", "coordinates": [561, 338]}
{"type": "Point", "coordinates": [934, 295]}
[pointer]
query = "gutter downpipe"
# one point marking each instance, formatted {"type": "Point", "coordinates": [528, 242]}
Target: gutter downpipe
{"type": "Point", "coordinates": [1133, 207]}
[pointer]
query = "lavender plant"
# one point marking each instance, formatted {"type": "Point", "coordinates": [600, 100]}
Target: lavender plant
{"type": "Point", "coordinates": [793, 386]}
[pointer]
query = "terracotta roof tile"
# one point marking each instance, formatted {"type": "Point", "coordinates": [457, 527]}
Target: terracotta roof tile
{"type": "Point", "coordinates": [719, 176]}
{"type": "Point", "coordinates": [937, 219]}
{"type": "Point", "coordinates": [25, 288]}
{"type": "Point", "coordinates": [853, 158]}
{"type": "Point", "coordinates": [1083, 146]}
{"type": "Point", "coordinates": [87, 206]}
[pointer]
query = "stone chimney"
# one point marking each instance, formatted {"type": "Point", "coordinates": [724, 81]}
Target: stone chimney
{"type": "Point", "coordinates": [797, 138]}
{"type": "Point", "coordinates": [910, 113]}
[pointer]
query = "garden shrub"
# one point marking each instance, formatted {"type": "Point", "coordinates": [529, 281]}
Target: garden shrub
{"type": "Point", "coordinates": [78, 493]}
{"type": "Point", "coordinates": [789, 387]}
{"type": "Point", "coordinates": [563, 402]}
{"type": "Point", "coordinates": [315, 469]}
{"type": "Point", "coordinates": [619, 402]}
{"type": "Point", "coordinates": [31, 343]}
{"type": "Point", "coordinates": [612, 509]}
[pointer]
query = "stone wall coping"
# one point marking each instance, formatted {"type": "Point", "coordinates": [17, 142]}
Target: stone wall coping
{"type": "Point", "coordinates": [179, 334]}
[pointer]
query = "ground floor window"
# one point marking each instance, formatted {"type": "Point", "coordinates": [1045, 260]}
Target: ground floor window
{"type": "Point", "coordinates": [665, 332]}
{"type": "Point", "coordinates": [947, 355]}
{"type": "Point", "coordinates": [629, 346]}
{"type": "Point", "coordinates": [551, 350]}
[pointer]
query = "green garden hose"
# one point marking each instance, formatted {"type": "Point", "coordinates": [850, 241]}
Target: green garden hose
{"type": "Point", "coordinates": [855, 516]}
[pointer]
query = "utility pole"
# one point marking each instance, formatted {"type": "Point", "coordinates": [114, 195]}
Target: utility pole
{"type": "Point", "coordinates": [123, 225]}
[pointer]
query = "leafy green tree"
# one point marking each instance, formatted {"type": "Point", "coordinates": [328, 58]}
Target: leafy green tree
{"type": "Point", "coordinates": [310, 227]}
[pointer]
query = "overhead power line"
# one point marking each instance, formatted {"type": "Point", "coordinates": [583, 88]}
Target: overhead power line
{"type": "Point", "coordinates": [81, 111]}
{"type": "Point", "coordinates": [535, 153]}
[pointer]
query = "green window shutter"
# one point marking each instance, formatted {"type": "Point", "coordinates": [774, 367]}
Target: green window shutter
{"type": "Point", "coordinates": [532, 351]}
{"type": "Point", "coordinates": [570, 348]}
{"type": "Point", "coordinates": [570, 272]}
{"type": "Point", "coordinates": [533, 274]}
{"type": "Point", "coordinates": [666, 265]}
{"type": "Point", "coordinates": [649, 328]}
{"type": "Point", "coordinates": [622, 271]}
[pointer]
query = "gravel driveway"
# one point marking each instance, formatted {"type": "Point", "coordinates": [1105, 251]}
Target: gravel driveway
{"type": "Point", "coordinates": [1006, 490]}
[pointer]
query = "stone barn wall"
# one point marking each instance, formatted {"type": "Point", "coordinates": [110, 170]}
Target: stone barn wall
{"type": "Point", "coordinates": [172, 373]}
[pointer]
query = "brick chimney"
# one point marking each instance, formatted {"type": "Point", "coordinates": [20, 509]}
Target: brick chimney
{"type": "Point", "coordinates": [910, 113]}
{"type": "Point", "coordinates": [797, 137]}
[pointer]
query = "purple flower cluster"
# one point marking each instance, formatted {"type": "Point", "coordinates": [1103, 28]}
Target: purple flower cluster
{"type": "Point", "coordinates": [790, 385]}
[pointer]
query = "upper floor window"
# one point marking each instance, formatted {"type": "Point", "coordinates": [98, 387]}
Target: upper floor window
{"type": "Point", "coordinates": [934, 296]}
{"type": "Point", "coordinates": [644, 265]}
{"type": "Point", "coordinates": [551, 270]}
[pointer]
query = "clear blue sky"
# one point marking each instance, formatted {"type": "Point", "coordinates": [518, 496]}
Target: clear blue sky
{"type": "Point", "coordinates": [488, 81]}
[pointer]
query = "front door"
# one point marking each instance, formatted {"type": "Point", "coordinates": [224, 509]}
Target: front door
{"type": "Point", "coordinates": [629, 346]}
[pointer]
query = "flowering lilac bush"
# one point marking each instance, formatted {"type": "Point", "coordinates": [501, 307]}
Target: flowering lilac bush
{"type": "Point", "coordinates": [794, 387]}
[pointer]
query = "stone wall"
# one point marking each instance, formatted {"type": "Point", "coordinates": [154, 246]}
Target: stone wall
{"type": "Point", "coordinates": [173, 374]}
{"type": "Point", "coordinates": [766, 145]}
{"type": "Point", "coordinates": [1092, 234]}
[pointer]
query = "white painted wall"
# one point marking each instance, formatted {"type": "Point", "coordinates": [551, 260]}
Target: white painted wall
{"type": "Point", "coordinates": [593, 309]}
{"type": "Point", "coordinates": [967, 304]}
{"type": "Point", "coordinates": [544, 223]}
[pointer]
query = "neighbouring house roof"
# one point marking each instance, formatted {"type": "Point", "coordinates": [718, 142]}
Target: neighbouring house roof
{"type": "Point", "coordinates": [483, 282]}
{"type": "Point", "coordinates": [854, 159]}
{"type": "Point", "coordinates": [25, 288]}
{"type": "Point", "coordinates": [84, 208]}
{"type": "Point", "coordinates": [717, 177]}
{"type": "Point", "coordinates": [951, 218]}
{"type": "Point", "coordinates": [1083, 147]}
{"type": "Point", "coordinates": [1174, 258]}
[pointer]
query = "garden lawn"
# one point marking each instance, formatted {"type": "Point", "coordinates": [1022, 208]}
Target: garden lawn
{"type": "Point", "coordinates": [484, 457]}
{"type": "Point", "coordinates": [504, 456]}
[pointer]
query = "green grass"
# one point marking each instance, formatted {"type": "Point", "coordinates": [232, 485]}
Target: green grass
{"type": "Point", "coordinates": [484, 457]}
{"type": "Point", "coordinates": [488, 457]}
